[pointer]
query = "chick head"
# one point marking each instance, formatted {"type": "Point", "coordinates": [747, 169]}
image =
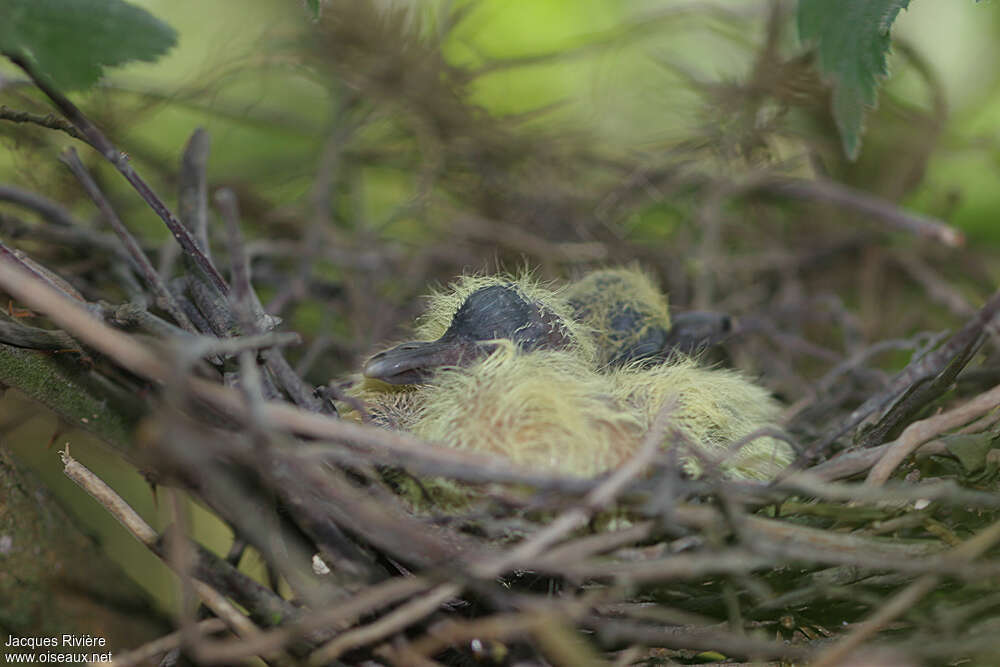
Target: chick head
{"type": "Point", "coordinates": [469, 321]}
{"type": "Point", "coordinates": [625, 312]}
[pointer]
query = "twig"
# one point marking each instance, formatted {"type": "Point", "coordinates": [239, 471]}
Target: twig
{"type": "Point", "coordinates": [140, 360]}
{"type": "Point", "coordinates": [207, 346]}
{"type": "Point", "coordinates": [142, 531]}
{"type": "Point", "coordinates": [50, 121]}
{"type": "Point", "coordinates": [135, 315]}
{"type": "Point", "coordinates": [583, 547]}
{"type": "Point", "coordinates": [109, 500]}
{"type": "Point", "coordinates": [598, 498]}
{"type": "Point", "coordinates": [225, 200]}
{"type": "Point", "coordinates": [842, 195]}
{"type": "Point", "coordinates": [846, 464]}
{"type": "Point", "coordinates": [936, 288]}
{"type": "Point", "coordinates": [36, 270]}
{"type": "Point", "coordinates": [921, 431]}
{"type": "Point", "coordinates": [615, 633]}
{"type": "Point", "coordinates": [145, 653]}
{"type": "Point", "coordinates": [903, 601]}
{"type": "Point", "coordinates": [32, 338]}
{"type": "Point", "coordinates": [264, 605]}
{"type": "Point", "coordinates": [254, 316]}
{"type": "Point", "coordinates": [48, 209]}
{"type": "Point", "coordinates": [341, 615]}
{"type": "Point", "coordinates": [192, 196]}
{"type": "Point", "coordinates": [943, 363]}
{"type": "Point", "coordinates": [153, 280]}
{"type": "Point", "coordinates": [945, 492]}
{"type": "Point", "coordinates": [93, 136]}
{"type": "Point", "coordinates": [79, 237]}
{"type": "Point", "coordinates": [501, 627]}
{"type": "Point", "coordinates": [179, 558]}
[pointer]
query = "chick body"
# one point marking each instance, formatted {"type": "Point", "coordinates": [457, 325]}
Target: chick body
{"type": "Point", "coordinates": [544, 410]}
{"type": "Point", "coordinates": [712, 409]}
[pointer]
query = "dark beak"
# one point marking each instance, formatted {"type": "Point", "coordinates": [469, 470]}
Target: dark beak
{"type": "Point", "coordinates": [415, 363]}
{"type": "Point", "coordinates": [697, 330]}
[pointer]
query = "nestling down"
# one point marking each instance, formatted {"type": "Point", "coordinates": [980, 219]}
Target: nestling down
{"type": "Point", "coordinates": [568, 380]}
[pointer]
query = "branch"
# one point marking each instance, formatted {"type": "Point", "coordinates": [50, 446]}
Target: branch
{"type": "Point", "coordinates": [153, 280]}
{"type": "Point", "coordinates": [841, 195]}
{"type": "Point", "coordinates": [93, 136]}
{"type": "Point", "coordinates": [46, 208]}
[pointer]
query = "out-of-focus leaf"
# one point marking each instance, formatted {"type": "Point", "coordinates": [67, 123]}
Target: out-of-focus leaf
{"type": "Point", "coordinates": [313, 7]}
{"type": "Point", "coordinates": [970, 449]}
{"type": "Point", "coordinates": [70, 42]}
{"type": "Point", "coordinates": [852, 38]}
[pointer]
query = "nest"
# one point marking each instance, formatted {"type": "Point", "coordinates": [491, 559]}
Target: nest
{"type": "Point", "coordinates": [876, 546]}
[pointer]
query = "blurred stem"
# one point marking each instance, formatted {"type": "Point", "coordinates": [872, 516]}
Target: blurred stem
{"type": "Point", "coordinates": [61, 581]}
{"type": "Point", "coordinates": [65, 385]}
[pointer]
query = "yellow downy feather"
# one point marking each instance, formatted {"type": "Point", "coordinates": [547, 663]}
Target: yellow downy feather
{"type": "Point", "coordinates": [544, 410]}
{"type": "Point", "coordinates": [713, 409]}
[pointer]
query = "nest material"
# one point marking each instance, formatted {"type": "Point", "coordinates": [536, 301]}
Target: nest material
{"type": "Point", "coordinates": [806, 569]}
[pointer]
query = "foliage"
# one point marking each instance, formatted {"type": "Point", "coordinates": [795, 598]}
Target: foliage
{"type": "Point", "coordinates": [852, 39]}
{"type": "Point", "coordinates": [70, 42]}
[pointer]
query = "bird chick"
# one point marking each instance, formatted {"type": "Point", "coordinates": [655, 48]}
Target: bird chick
{"type": "Point", "coordinates": [510, 371]}
{"type": "Point", "coordinates": [630, 320]}
{"type": "Point", "coordinates": [626, 314]}
{"type": "Point", "coordinates": [544, 410]}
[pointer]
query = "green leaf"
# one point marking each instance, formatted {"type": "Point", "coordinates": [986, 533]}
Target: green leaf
{"type": "Point", "coordinates": [970, 449]}
{"type": "Point", "coordinates": [70, 42]}
{"type": "Point", "coordinates": [852, 37]}
{"type": "Point", "coordinates": [313, 7]}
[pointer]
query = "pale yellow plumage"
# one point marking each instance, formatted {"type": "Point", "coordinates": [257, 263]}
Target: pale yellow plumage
{"type": "Point", "coordinates": [568, 409]}
{"type": "Point", "coordinates": [544, 410]}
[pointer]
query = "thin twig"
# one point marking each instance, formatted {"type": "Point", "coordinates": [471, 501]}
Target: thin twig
{"type": "Point", "coordinates": [904, 600]}
{"type": "Point", "coordinates": [836, 193]}
{"type": "Point", "coordinates": [142, 531]}
{"type": "Point", "coordinates": [93, 136]}
{"type": "Point", "coordinates": [192, 198]}
{"type": "Point", "coordinates": [144, 654]}
{"type": "Point", "coordinates": [943, 362]}
{"type": "Point", "coordinates": [919, 432]}
{"type": "Point", "coordinates": [568, 521]}
{"type": "Point", "coordinates": [153, 280]}
{"type": "Point", "coordinates": [36, 270]}
{"type": "Point", "coordinates": [46, 208]}
{"type": "Point", "coordinates": [49, 121]}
